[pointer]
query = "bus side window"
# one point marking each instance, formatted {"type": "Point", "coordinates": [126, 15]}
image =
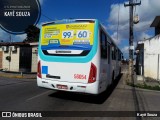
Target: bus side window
{"type": "Point", "coordinates": [119, 56]}
{"type": "Point", "coordinates": [113, 53]}
{"type": "Point", "coordinates": [109, 54]}
{"type": "Point", "coordinates": [103, 46]}
{"type": "Point", "coordinates": [116, 54]}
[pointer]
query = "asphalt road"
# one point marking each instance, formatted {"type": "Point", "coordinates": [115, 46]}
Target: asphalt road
{"type": "Point", "coordinates": [24, 95]}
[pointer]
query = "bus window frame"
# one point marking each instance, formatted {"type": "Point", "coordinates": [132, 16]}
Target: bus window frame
{"type": "Point", "coordinates": [103, 44]}
{"type": "Point", "coordinates": [109, 53]}
{"type": "Point", "coordinates": [113, 52]}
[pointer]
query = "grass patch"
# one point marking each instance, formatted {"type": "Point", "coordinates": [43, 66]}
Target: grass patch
{"type": "Point", "coordinates": [18, 76]}
{"type": "Point", "coordinates": [144, 86]}
{"type": "Point", "coordinates": [12, 76]}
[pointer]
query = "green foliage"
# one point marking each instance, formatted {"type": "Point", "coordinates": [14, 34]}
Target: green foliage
{"type": "Point", "coordinates": [32, 33]}
{"type": "Point", "coordinates": [144, 86]}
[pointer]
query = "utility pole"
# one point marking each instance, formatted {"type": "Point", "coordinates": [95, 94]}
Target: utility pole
{"type": "Point", "coordinates": [131, 38]}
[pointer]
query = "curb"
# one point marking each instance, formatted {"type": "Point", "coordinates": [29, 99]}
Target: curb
{"type": "Point", "coordinates": [18, 72]}
{"type": "Point", "coordinates": [18, 76]}
{"type": "Point", "coordinates": [141, 89]}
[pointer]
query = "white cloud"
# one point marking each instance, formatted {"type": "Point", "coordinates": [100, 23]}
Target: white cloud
{"type": "Point", "coordinates": [123, 14]}
{"type": "Point", "coordinates": [114, 37]}
{"type": "Point", "coordinates": [121, 36]}
{"type": "Point", "coordinates": [143, 36]}
{"type": "Point", "coordinates": [125, 49]}
{"type": "Point", "coordinates": [146, 11]}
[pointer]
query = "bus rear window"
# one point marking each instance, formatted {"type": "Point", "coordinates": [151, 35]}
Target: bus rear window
{"type": "Point", "coordinates": [72, 39]}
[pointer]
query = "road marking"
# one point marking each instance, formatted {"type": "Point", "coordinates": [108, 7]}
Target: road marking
{"type": "Point", "coordinates": [38, 95]}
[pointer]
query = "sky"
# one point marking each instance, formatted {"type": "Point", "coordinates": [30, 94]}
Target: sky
{"type": "Point", "coordinates": [106, 11]}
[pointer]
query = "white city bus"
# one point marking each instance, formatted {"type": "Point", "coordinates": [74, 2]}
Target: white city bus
{"type": "Point", "coordinates": [78, 56]}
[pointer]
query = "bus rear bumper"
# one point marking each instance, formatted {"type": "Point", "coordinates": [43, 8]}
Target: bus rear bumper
{"type": "Point", "coordinates": [90, 88]}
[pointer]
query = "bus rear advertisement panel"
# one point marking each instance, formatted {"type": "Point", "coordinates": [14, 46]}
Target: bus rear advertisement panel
{"type": "Point", "coordinates": [77, 36]}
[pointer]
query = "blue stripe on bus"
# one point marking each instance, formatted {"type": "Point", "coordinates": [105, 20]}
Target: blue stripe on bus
{"type": "Point", "coordinates": [72, 47]}
{"type": "Point", "coordinates": [79, 59]}
{"type": "Point", "coordinates": [44, 69]}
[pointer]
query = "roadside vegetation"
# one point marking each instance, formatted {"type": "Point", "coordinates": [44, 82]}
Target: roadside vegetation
{"type": "Point", "coordinates": [144, 86]}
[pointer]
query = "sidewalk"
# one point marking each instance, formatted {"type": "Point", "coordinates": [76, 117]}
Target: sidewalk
{"type": "Point", "coordinates": [139, 79]}
{"type": "Point", "coordinates": [18, 75]}
{"type": "Point", "coordinates": [141, 82]}
{"type": "Point", "coordinates": [144, 83]}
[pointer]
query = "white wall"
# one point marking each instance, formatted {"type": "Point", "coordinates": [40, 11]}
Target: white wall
{"type": "Point", "coordinates": [151, 51]}
{"type": "Point", "coordinates": [34, 59]}
{"type": "Point", "coordinates": [13, 65]}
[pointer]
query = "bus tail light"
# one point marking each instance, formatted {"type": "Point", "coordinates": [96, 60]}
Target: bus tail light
{"type": "Point", "coordinates": [92, 74]}
{"type": "Point", "coordinates": [39, 74]}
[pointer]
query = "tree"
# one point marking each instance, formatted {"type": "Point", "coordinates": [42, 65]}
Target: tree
{"type": "Point", "coordinates": [32, 34]}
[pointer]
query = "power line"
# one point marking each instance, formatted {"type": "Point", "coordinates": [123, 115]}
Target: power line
{"type": "Point", "coordinates": [144, 29]}
{"type": "Point", "coordinates": [126, 28]}
{"type": "Point", "coordinates": [46, 16]}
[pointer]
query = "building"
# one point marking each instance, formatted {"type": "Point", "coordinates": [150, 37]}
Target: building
{"type": "Point", "coordinates": [148, 54]}
{"type": "Point", "coordinates": [156, 25]}
{"type": "Point", "coordinates": [19, 56]}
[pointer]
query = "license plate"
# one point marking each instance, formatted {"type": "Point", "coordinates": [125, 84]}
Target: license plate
{"type": "Point", "coordinates": [62, 87]}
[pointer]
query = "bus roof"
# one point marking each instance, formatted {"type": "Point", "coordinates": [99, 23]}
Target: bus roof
{"type": "Point", "coordinates": [69, 21]}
